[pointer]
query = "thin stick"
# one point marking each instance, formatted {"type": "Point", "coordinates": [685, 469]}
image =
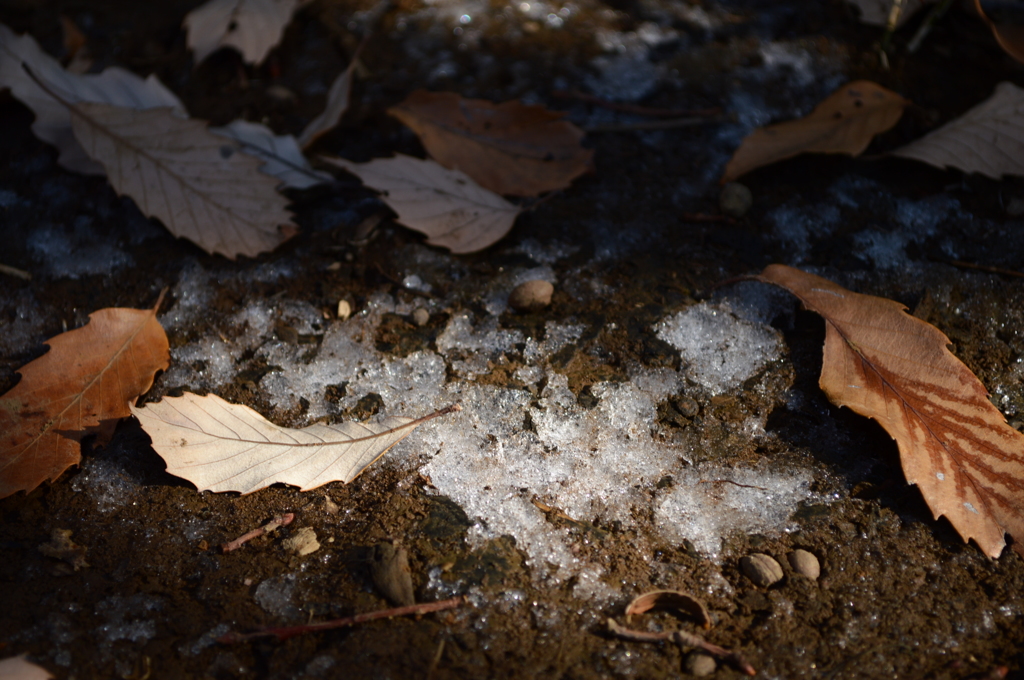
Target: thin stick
{"type": "Point", "coordinates": [986, 268]}
{"type": "Point", "coordinates": [279, 521]}
{"type": "Point", "coordinates": [291, 631]}
{"type": "Point", "coordinates": [729, 481]}
{"type": "Point", "coordinates": [633, 108]}
{"type": "Point", "coordinates": [933, 18]}
{"type": "Point", "coordinates": [683, 640]}
{"type": "Point", "coordinates": [12, 271]}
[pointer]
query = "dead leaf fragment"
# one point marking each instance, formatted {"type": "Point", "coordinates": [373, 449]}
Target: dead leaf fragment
{"type": "Point", "coordinates": [303, 542]}
{"type": "Point", "coordinates": [446, 205]}
{"type": "Point", "coordinates": [53, 120]}
{"type": "Point", "coordinates": [281, 154]}
{"type": "Point", "coordinates": [220, 446]}
{"type": "Point", "coordinates": [510, 148]}
{"type": "Point", "coordinates": [896, 369]}
{"type": "Point", "coordinates": [20, 668]}
{"type": "Point", "coordinates": [845, 122]}
{"type": "Point", "coordinates": [667, 600]}
{"type": "Point", "coordinates": [61, 547]}
{"type": "Point", "coordinates": [988, 139]}
{"type": "Point", "coordinates": [389, 568]}
{"type": "Point", "coordinates": [334, 109]}
{"type": "Point", "coordinates": [177, 171]}
{"type": "Point", "coordinates": [83, 384]}
{"type": "Point", "coordinates": [253, 27]}
{"type": "Point", "coordinates": [1009, 36]}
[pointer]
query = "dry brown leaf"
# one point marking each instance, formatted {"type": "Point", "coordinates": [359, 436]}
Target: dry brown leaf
{"type": "Point", "coordinates": [177, 171]}
{"type": "Point", "coordinates": [253, 27]}
{"type": "Point", "coordinates": [1009, 36]}
{"type": "Point", "coordinates": [896, 369]}
{"type": "Point", "coordinates": [83, 384]}
{"type": "Point", "coordinates": [20, 668]}
{"type": "Point", "coordinates": [665, 600]}
{"type": "Point", "coordinates": [845, 122]}
{"type": "Point", "coordinates": [281, 154]}
{"type": "Point", "coordinates": [510, 148]}
{"type": "Point", "coordinates": [220, 446]}
{"type": "Point", "coordinates": [53, 120]}
{"type": "Point", "coordinates": [337, 105]}
{"type": "Point", "coordinates": [446, 205]}
{"type": "Point", "coordinates": [876, 12]}
{"type": "Point", "coordinates": [988, 139]}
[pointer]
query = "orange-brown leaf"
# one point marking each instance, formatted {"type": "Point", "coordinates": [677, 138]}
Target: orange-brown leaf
{"type": "Point", "coordinates": [84, 384]}
{"type": "Point", "coordinates": [1009, 36]}
{"type": "Point", "coordinates": [845, 122]}
{"type": "Point", "coordinates": [510, 148]}
{"type": "Point", "coordinates": [954, 444]}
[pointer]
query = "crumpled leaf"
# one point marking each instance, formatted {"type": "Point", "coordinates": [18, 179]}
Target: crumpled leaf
{"type": "Point", "coordinates": [20, 668]}
{"type": "Point", "coordinates": [83, 384]}
{"type": "Point", "coordinates": [253, 27]}
{"type": "Point", "coordinates": [670, 600]}
{"type": "Point", "coordinates": [876, 12]}
{"type": "Point", "coordinates": [446, 205]}
{"type": "Point", "coordinates": [896, 369]}
{"type": "Point", "coordinates": [177, 171]}
{"type": "Point", "coordinates": [509, 148]}
{"type": "Point", "coordinates": [1010, 36]}
{"type": "Point", "coordinates": [334, 109]}
{"type": "Point", "coordinates": [845, 122]}
{"type": "Point", "coordinates": [988, 139]}
{"type": "Point", "coordinates": [53, 120]}
{"type": "Point", "coordinates": [281, 154]}
{"type": "Point", "coordinates": [220, 446]}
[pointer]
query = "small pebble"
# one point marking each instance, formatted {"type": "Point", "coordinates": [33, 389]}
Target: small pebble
{"type": "Point", "coordinates": [420, 316]}
{"type": "Point", "coordinates": [699, 664]}
{"type": "Point", "coordinates": [763, 570]}
{"type": "Point", "coordinates": [805, 564]}
{"type": "Point", "coordinates": [735, 200]}
{"type": "Point", "coordinates": [531, 296]}
{"type": "Point", "coordinates": [344, 309]}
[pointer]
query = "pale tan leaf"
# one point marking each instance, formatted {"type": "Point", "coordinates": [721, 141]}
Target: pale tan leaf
{"type": "Point", "coordinates": [446, 205]}
{"type": "Point", "coordinates": [988, 139]}
{"type": "Point", "coordinates": [508, 148]}
{"type": "Point", "coordinates": [337, 105]}
{"type": "Point", "coordinates": [53, 120]}
{"type": "Point", "coordinates": [84, 383]}
{"type": "Point", "coordinates": [877, 12]}
{"type": "Point", "coordinates": [845, 122]}
{"type": "Point", "coordinates": [20, 668]}
{"type": "Point", "coordinates": [281, 154]}
{"type": "Point", "coordinates": [220, 446]}
{"type": "Point", "coordinates": [896, 369]}
{"type": "Point", "coordinates": [200, 187]}
{"type": "Point", "coordinates": [253, 27]}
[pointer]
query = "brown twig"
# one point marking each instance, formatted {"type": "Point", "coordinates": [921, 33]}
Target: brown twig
{"type": "Point", "coordinates": [729, 481]}
{"type": "Point", "coordinates": [280, 521]}
{"type": "Point", "coordinates": [633, 108]}
{"type": "Point", "coordinates": [13, 271]}
{"type": "Point", "coordinates": [986, 268]}
{"type": "Point", "coordinates": [291, 631]}
{"type": "Point", "coordinates": [735, 659]}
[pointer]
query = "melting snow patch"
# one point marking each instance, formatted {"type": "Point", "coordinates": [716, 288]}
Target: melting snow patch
{"type": "Point", "coordinates": [722, 349]}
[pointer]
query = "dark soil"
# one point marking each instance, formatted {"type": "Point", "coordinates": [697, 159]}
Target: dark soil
{"type": "Point", "coordinates": [900, 594]}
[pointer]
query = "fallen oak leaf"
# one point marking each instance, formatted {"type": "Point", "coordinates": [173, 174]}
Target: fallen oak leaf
{"type": "Point", "coordinates": [987, 139]}
{"type": "Point", "coordinates": [53, 119]}
{"type": "Point", "coordinates": [446, 205]}
{"type": "Point", "coordinates": [84, 383]}
{"type": "Point", "coordinates": [336, 106]}
{"type": "Point", "coordinates": [253, 27]}
{"type": "Point", "coordinates": [219, 446]}
{"type": "Point", "coordinates": [509, 148]}
{"type": "Point", "coordinates": [1009, 36]}
{"type": "Point", "coordinates": [845, 122]}
{"type": "Point", "coordinates": [20, 668]}
{"type": "Point", "coordinates": [896, 369]}
{"type": "Point", "coordinates": [179, 172]}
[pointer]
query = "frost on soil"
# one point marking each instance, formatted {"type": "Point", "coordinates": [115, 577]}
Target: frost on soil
{"type": "Point", "coordinates": [530, 440]}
